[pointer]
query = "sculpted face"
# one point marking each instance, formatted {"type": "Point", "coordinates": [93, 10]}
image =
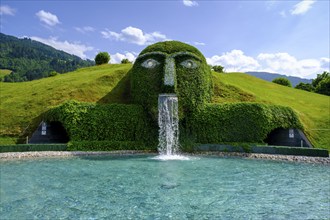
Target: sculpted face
{"type": "Point", "coordinates": [171, 67]}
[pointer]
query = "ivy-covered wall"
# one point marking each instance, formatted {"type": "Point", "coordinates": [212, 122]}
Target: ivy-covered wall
{"type": "Point", "coordinates": [104, 122]}
{"type": "Point", "coordinates": [171, 67]}
{"type": "Point", "coordinates": [240, 122]}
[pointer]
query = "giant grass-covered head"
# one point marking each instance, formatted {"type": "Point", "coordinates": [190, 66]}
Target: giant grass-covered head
{"type": "Point", "coordinates": [171, 67]}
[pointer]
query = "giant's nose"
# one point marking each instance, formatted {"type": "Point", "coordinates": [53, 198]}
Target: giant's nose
{"type": "Point", "coordinates": [169, 72]}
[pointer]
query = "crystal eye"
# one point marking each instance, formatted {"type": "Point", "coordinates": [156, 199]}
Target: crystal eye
{"type": "Point", "coordinates": [189, 64]}
{"type": "Point", "coordinates": [150, 63]}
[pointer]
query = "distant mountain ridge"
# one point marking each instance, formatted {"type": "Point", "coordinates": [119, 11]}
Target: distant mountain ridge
{"type": "Point", "coordinates": [270, 76]}
{"type": "Point", "coordinates": [29, 59]}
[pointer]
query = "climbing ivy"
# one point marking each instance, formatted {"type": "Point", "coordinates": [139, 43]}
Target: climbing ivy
{"type": "Point", "coordinates": [192, 80]}
{"type": "Point", "coordinates": [112, 122]}
{"type": "Point", "coordinates": [240, 122]}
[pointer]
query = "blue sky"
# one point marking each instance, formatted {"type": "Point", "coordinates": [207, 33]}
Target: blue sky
{"type": "Point", "coordinates": [287, 37]}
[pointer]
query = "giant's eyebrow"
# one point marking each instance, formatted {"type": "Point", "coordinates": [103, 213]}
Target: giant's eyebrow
{"type": "Point", "coordinates": [182, 53]}
{"type": "Point", "coordinates": [152, 53]}
{"type": "Point", "coordinates": [185, 53]}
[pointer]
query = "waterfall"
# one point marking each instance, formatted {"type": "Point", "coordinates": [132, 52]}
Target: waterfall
{"type": "Point", "coordinates": [168, 121]}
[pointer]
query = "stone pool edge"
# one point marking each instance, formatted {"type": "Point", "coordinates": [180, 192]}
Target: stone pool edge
{"type": "Point", "coordinates": [274, 157]}
{"type": "Point", "coordinates": [42, 154]}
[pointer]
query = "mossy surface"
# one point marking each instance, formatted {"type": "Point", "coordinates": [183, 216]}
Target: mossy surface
{"type": "Point", "coordinates": [240, 122]}
{"type": "Point", "coordinates": [100, 122]}
{"type": "Point", "coordinates": [192, 80]}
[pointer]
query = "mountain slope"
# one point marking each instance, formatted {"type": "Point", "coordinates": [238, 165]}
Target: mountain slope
{"type": "Point", "coordinates": [270, 76]}
{"type": "Point", "coordinates": [22, 103]}
{"type": "Point", "coordinates": [29, 59]}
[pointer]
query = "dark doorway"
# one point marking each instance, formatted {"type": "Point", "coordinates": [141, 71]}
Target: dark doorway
{"type": "Point", "coordinates": [291, 137]}
{"type": "Point", "coordinates": [52, 132]}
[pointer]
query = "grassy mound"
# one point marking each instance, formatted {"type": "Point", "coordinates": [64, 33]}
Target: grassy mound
{"type": "Point", "coordinates": [23, 103]}
{"type": "Point", "coordinates": [313, 109]}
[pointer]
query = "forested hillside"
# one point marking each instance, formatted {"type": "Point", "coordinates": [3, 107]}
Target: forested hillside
{"type": "Point", "coordinates": [29, 59]}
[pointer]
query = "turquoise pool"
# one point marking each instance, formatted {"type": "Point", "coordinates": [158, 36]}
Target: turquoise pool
{"type": "Point", "coordinates": [141, 187]}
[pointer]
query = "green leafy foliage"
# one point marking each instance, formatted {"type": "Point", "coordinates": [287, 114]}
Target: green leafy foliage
{"type": "Point", "coordinates": [323, 87]}
{"type": "Point", "coordinates": [108, 145]}
{"type": "Point", "coordinates": [240, 122]}
{"type": "Point", "coordinates": [282, 81]}
{"type": "Point", "coordinates": [304, 86]}
{"type": "Point", "coordinates": [218, 69]}
{"type": "Point", "coordinates": [111, 122]}
{"type": "Point", "coordinates": [321, 84]}
{"type": "Point", "coordinates": [193, 86]}
{"type": "Point", "coordinates": [319, 78]}
{"type": "Point", "coordinates": [124, 61]}
{"type": "Point", "coordinates": [253, 148]}
{"type": "Point", "coordinates": [102, 58]}
{"type": "Point", "coordinates": [30, 60]}
{"type": "Point", "coordinates": [53, 73]}
{"type": "Point", "coordinates": [32, 147]}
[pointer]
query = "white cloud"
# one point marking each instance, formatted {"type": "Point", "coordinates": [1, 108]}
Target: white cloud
{"type": "Point", "coordinates": [47, 18]}
{"type": "Point", "coordinates": [134, 35]}
{"type": "Point", "coordinates": [234, 61]}
{"type": "Point", "coordinates": [7, 10]}
{"type": "Point", "coordinates": [190, 3]}
{"type": "Point", "coordinates": [286, 64]}
{"type": "Point", "coordinates": [85, 29]}
{"type": "Point", "coordinates": [199, 43]}
{"type": "Point", "coordinates": [302, 7]}
{"type": "Point", "coordinates": [282, 63]}
{"type": "Point", "coordinates": [325, 63]}
{"type": "Point", "coordinates": [118, 57]}
{"type": "Point", "coordinates": [71, 48]}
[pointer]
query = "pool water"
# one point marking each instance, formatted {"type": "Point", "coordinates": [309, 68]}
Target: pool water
{"type": "Point", "coordinates": [141, 187]}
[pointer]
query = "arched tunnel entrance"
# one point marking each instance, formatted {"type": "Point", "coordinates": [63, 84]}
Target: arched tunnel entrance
{"type": "Point", "coordinates": [50, 133]}
{"type": "Point", "coordinates": [290, 137]}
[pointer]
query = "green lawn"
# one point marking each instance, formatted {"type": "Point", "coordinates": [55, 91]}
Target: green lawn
{"type": "Point", "coordinates": [23, 103]}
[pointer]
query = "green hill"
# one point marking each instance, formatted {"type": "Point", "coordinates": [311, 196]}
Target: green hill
{"type": "Point", "coordinates": [29, 59]}
{"type": "Point", "coordinates": [22, 103]}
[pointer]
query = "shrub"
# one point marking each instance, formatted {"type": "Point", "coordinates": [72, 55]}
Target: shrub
{"type": "Point", "coordinates": [304, 86]}
{"type": "Point", "coordinates": [323, 86]}
{"type": "Point", "coordinates": [124, 61]}
{"type": "Point", "coordinates": [218, 69]}
{"type": "Point", "coordinates": [108, 146]}
{"type": "Point", "coordinates": [282, 81]}
{"type": "Point", "coordinates": [102, 58]}
{"type": "Point", "coordinates": [53, 73]}
{"type": "Point", "coordinates": [319, 78]}
{"type": "Point", "coordinates": [32, 147]}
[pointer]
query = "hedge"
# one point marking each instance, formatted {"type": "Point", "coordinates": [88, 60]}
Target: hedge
{"type": "Point", "coordinates": [240, 122]}
{"type": "Point", "coordinates": [297, 151]}
{"type": "Point", "coordinates": [109, 146]}
{"type": "Point", "coordinates": [33, 147]}
{"type": "Point", "coordinates": [102, 122]}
